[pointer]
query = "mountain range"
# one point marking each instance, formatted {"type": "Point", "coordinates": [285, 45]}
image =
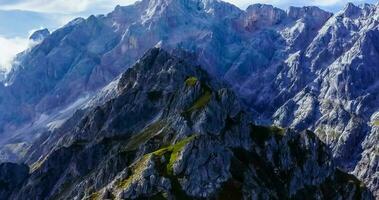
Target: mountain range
{"type": "Point", "coordinates": [172, 132]}
{"type": "Point", "coordinates": [68, 110]}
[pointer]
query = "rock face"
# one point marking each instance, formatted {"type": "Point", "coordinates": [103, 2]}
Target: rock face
{"type": "Point", "coordinates": [262, 16]}
{"type": "Point", "coordinates": [40, 35]}
{"type": "Point", "coordinates": [173, 132]}
{"type": "Point", "coordinates": [339, 104]}
{"type": "Point", "coordinates": [86, 54]}
{"type": "Point", "coordinates": [304, 68]}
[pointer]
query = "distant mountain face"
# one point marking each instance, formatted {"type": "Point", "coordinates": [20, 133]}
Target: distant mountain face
{"type": "Point", "coordinates": [303, 68]}
{"type": "Point", "coordinates": [173, 132]}
{"type": "Point", "coordinates": [40, 35]}
{"type": "Point", "coordinates": [87, 54]}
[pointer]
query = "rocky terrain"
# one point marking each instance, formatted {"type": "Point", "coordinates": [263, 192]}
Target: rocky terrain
{"type": "Point", "coordinates": [173, 132]}
{"type": "Point", "coordinates": [304, 69]}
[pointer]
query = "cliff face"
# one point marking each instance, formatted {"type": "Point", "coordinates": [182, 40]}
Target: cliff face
{"type": "Point", "coordinates": [340, 104]}
{"type": "Point", "coordinates": [78, 59]}
{"type": "Point", "coordinates": [171, 131]}
{"type": "Point", "coordinates": [304, 68]}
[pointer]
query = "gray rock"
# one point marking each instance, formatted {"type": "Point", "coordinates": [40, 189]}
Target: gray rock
{"type": "Point", "coordinates": [303, 69]}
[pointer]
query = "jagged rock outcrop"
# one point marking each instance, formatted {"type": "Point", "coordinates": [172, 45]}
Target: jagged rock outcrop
{"type": "Point", "coordinates": [40, 35]}
{"type": "Point", "coordinates": [87, 54]}
{"type": "Point", "coordinates": [304, 68]}
{"type": "Point", "coordinates": [367, 167]}
{"type": "Point", "coordinates": [174, 132]}
{"type": "Point", "coordinates": [341, 101]}
{"type": "Point", "coordinates": [262, 16]}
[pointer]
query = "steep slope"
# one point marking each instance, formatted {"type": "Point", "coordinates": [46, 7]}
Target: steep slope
{"type": "Point", "coordinates": [341, 102]}
{"type": "Point", "coordinates": [303, 68]}
{"type": "Point", "coordinates": [367, 167]}
{"type": "Point", "coordinates": [71, 64]}
{"type": "Point", "coordinates": [87, 54]}
{"type": "Point", "coordinates": [173, 132]}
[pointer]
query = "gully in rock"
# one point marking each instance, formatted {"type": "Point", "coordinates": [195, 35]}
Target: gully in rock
{"type": "Point", "coordinates": [195, 99]}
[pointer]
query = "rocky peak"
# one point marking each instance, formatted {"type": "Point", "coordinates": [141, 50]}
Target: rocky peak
{"type": "Point", "coordinates": [174, 132]}
{"type": "Point", "coordinates": [313, 12]}
{"type": "Point", "coordinates": [262, 15]}
{"type": "Point", "coordinates": [40, 35]}
{"type": "Point", "coordinates": [194, 4]}
{"type": "Point", "coordinates": [269, 68]}
{"type": "Point", "coordinates": [159, 5]}
{"type": "Point", "coordinates": [74, 22]}
{"type": "Point", "coordinates": [351, 10]}
{"type": "Point", "coordinates": [363, 11]}
{"type": "Point", "coordinates": [155, 9]}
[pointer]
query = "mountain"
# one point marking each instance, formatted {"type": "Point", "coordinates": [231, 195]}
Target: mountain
{"type": "Point", "coordinates": [173, 132]}
{"type": "Point", "coordinates": [304, 69]}
{"type": "Point", "coordinates": [40, 35]}
{"type": "Point", "coordinates": [340, 103]}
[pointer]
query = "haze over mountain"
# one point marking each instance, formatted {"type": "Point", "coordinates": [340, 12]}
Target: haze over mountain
{"type": "Point", "coordinates": [304, 69]}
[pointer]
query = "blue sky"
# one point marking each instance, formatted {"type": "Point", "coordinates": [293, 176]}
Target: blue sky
{"type": "Point", "coordinates": [18, 18]}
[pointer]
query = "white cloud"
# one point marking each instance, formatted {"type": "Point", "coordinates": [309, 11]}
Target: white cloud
{"type": "Point", "coordinates": [9, 48]}
{"type": "Point", "coordinates": [48, 6]}
{"type": "Point", "coordinates": [63, 6]}
{"type": "Point", "coordinates": [77, 6]}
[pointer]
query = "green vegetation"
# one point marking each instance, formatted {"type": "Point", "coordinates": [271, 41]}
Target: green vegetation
{"type": "Point", "coordinates": [36, 165]}
{"type": "Point", "coordinates": [260, 134]}
{"type": "Point", "coordinates": [201, 102]}
{"type": "Point", "coordinates": [171, 153]}
{"type": "Point", "coordinates": [149, 132]}
{"type": "Point", "coordinates": [94, 196]}
{"type": "Point", "coordinates": [137, 170]}
{"type": "Point", "coordinates": [191, 81]}
{"type": "Point", "coordinates": [175, 151]}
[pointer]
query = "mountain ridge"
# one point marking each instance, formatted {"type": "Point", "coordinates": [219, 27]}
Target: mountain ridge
{"type": "Point", "coordinates": [191, 140]}
{"type": "Point", "coordinates": [277, 62]}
